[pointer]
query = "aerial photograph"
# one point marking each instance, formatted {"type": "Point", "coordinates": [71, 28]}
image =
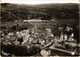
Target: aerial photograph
{"type": "Point", "coordinates": [39, 28]}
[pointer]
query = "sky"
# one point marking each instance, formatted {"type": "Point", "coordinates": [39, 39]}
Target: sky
{"type": "Point", "coordinates": [39, 1]}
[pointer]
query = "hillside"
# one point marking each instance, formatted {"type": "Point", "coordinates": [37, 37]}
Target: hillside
{"type": "Point", "coordinates": [12, 12]}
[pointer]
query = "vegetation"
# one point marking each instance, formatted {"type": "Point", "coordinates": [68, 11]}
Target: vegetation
{"type": "Point", "coordinates": [11, 12]}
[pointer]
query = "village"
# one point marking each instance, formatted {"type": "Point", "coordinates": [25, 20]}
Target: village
{"type": "Point", "coordinates": [42, 37]}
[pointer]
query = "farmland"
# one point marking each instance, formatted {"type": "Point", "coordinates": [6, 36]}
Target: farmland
{"type": "Point", "coordinates": [12, 12]}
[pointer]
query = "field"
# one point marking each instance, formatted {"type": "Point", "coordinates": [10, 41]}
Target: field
{"type": "Point", "coordinates": [12, 12]}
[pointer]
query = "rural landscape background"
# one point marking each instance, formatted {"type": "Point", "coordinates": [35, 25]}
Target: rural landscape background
{"type": "Point", "coordinates": [18, 17]}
